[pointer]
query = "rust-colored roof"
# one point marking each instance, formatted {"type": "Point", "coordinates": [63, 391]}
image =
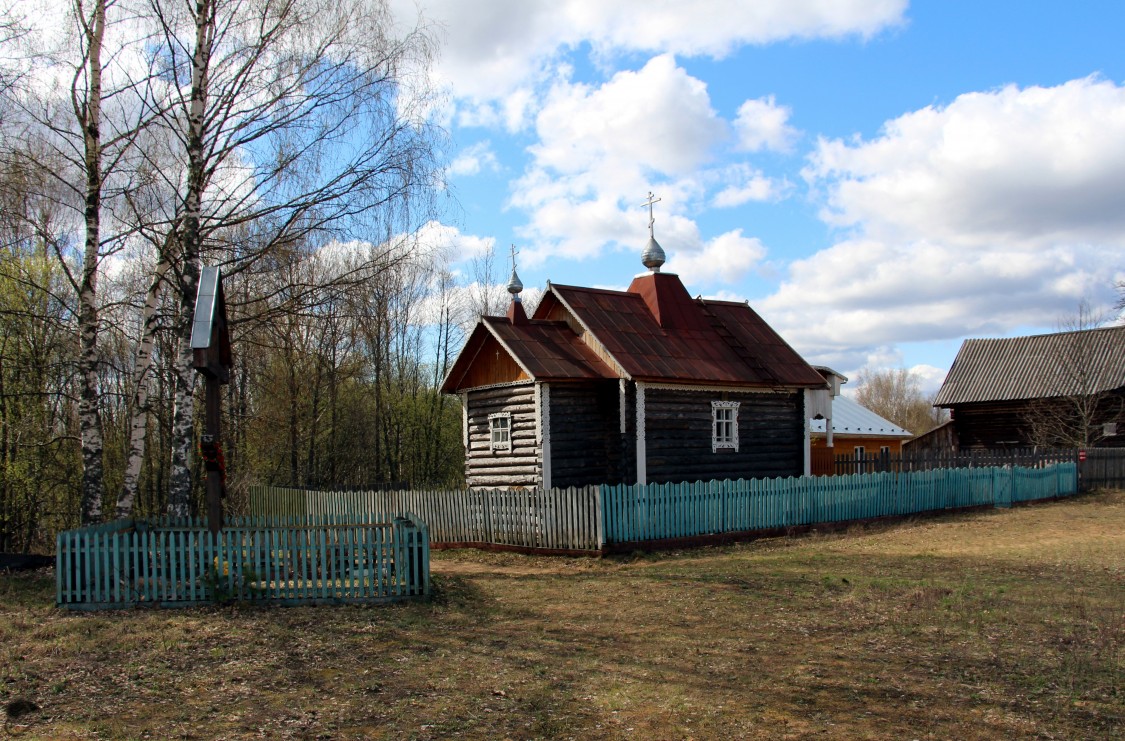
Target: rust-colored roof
{"type": "Point", "coordinates": [547, 351]}
{"type": "Point", "coordinates": [656, 332]}
{"type": "Point", "coordinates": [1062, 364]}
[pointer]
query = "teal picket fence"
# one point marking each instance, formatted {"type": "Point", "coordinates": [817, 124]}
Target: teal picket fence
{"type": "Point", "coordinates": [289, 560]}
{"type": "Point", "coordinates": [590, 519]}
{"type": "Point", "coordinates": [652, 512]}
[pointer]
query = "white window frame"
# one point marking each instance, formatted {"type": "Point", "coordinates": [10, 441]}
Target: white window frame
{"type": "Point", "coordinates": [500, 435]}
{"type": "Point", "coordinates": [724, 441]}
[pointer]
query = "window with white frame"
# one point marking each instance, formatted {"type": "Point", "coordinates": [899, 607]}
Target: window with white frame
{"type": "Point", "coordinates": [1109, 429]}
{"type": "Point", "coordinates": [500, 431]}
{"type": "Point", "coordinates": [724, 425]}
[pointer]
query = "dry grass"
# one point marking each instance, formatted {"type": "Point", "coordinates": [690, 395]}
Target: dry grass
{"type": "Point", "coordinates": [1004, 624]}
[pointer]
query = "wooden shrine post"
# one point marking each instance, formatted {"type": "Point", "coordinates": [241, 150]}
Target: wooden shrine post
{"type": "Point", "coordinates": [211, 357]}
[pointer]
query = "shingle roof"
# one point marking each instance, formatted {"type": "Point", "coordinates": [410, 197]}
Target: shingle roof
{"type": "Point", "coordinates": [1062, 364]}
{"type": "Point", "coordinates": [852, 418]}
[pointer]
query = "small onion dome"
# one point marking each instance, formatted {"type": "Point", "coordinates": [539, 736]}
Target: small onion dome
{"type": "Point", "coordinates": [514, 285]}
{"type": "Point", "coordinates": [653, 256]}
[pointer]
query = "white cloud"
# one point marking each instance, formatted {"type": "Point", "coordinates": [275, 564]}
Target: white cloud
{"type": "Point", "coordinates": [658, 117]}
{"type": "Point", "coordinates": [1031, 166]}
{"type": "Point", "coordinates": [746, 185]}
{"type": "Point", "coordinates": [762, 124]}
{"type": "Point", "coordinates": [442, 238]}
{"type": "Point", "coordinates": [601, 148]}
{"type": "Point", "coordinates": [724, 259]}
{"type": "Point", "coordinates": [490, 49]}
{"type": "Point", "coordinates": [997, 212]}
{"type": "Point", "coordinates": [472, 160]}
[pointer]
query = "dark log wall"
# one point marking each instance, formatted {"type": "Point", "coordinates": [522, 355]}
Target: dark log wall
{"type": "Point", "coordinates": [678, 436]}
{"type": "Point", "coordinates": [1005, 424]}
{"type": "Point", "coordinates": [990, 426]}
{"type": "Point", "coordinates": [519, 466]}
{"type": "Point", "coordinates": [587, 446]}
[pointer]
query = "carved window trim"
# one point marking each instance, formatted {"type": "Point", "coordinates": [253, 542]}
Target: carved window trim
{"type": "Point", "coordinates": [500, 431]}
{"type": "Point", "coordinates": [724, 425]}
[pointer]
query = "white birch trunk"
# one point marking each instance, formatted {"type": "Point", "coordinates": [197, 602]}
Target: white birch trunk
{"type": "Point", "coordinates": [138, 421]}
{"type": "Point", "coordinates": [89, 418]}
{"type": "Point", "coordinates": [179, 490]}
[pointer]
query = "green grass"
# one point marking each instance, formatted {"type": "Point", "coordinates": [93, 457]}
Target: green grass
{"type": "Point", "coordinates": [999, 624]}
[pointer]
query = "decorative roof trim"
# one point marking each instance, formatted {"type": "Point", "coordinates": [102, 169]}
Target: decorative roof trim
{"type": "Point", "coordinates": [703, 388]}
{"type": "Point", "coordinates": [490, 386]}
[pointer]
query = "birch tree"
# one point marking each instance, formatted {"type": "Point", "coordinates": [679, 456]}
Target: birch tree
{"type": "Point", "coordinates": [293, 116]}
{"type": "Point", "coordinates": [75, 119]}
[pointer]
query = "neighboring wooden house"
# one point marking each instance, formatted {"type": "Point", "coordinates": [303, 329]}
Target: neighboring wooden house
{"type": "Point", "coordinates": [856, 431]}
{"type": "Point", "coordinates": [643, 385]}
{"type": "Point", "coordinates": [1063, 389]}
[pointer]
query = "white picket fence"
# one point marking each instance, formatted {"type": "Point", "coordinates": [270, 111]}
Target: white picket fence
{"type": "Point", "coordinates": [555, 519]}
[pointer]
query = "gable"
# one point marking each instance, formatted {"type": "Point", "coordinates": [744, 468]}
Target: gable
{"type": "Point", "coordinates": [483, 362]}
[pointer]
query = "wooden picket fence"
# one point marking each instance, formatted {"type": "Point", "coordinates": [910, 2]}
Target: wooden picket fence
{"type": "Point", "coordinates": [601, 518]}
{"type": "Point", "coordinates": [1102, 468]}
{"type": "Point", "coordinates": [289, 560]}
{"type": "Point", "coordinates": [548, 520]}
{"type": "Point", "coordinates": [638, 514]}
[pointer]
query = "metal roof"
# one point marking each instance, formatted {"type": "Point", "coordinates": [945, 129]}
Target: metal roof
{"type": "Point", "coordinates": [654, 332]}
{"type": "Point", "coordinates": [548, 350]}
{"type": "Point", "coordinates": [851, 418]}
{"type": "Point", "coordinates": [1062, 364]}
{"type": "Point", "coordinates": [658, 333]}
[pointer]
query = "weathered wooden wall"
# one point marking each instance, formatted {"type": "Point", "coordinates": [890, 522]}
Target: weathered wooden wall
{"type": "Point", "coordinates": [678, 436]}
{"type": "Point", "coordinates": [993, 425]}
{"type": "Point", "coordinates": [520, 466]}
{"type": "Point", "coordinates": [587, 446]}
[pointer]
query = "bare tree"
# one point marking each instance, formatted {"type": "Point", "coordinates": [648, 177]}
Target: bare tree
{"type": "Point", "coordinates": [82, 140]}
{"type": "Point", "coordinates": [1078, 404]}
{"type": "Point", "coordinates": [896, 395]}
{"type": "Point", "coordinates": [291, 116]}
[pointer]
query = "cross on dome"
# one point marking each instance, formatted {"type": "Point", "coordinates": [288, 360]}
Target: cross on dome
{"type": "Point", "coordinates": [653, 255]}
{"type": "Point", "coordinates": [514, 283]}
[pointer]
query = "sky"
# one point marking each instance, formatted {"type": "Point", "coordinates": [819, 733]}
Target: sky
{"type": "Point", "coordinates": [880, 179]}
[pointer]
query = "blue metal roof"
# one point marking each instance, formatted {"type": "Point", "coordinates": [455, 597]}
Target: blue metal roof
{"type": "Point", "coordinates": [850, 418]}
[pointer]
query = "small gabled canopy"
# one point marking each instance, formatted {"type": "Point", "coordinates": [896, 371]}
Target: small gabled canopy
{"type": "Point", "coordinates": [210, 338]}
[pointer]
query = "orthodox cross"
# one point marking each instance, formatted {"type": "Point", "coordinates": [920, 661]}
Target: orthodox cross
{"type": "Point", "coordinates": [651, 220]}
{"type": "Point", "coordinates": [514, 253]}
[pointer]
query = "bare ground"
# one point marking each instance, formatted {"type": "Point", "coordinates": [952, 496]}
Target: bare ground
{"type": "Point", "coordinates": [997, 624]}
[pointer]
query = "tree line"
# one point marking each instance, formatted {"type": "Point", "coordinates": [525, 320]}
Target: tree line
{"type": "Point", "coordinates": [289, 142]}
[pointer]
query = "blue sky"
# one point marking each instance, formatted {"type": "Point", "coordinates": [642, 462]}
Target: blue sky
{"type": "Point", "coordinates": [880, 179]}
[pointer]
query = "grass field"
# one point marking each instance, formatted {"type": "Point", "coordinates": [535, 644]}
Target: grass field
{"type": "Point", "coordinates": [996, 624]}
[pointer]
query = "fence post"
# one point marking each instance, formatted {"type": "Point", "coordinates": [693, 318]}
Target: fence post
{"type": "Point", "coordinates": [599, 513]}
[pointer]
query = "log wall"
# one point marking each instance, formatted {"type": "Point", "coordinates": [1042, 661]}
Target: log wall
{"type": "Point", "coordinates": [678, 436]}
{"type": "Point", "coordinates": [519, 466]}
{"type": "Point", "coordinates": [587, 446]}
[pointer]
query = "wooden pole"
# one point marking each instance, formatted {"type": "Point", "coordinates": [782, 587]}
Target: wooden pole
{"type": "Point", "coordinates": [212, 436]}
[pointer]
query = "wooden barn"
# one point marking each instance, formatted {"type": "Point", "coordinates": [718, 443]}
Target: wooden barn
{"type": "Point", "coordinates": [635, 386]}
{"type": "Point", "coordinates": [1055, 390]}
